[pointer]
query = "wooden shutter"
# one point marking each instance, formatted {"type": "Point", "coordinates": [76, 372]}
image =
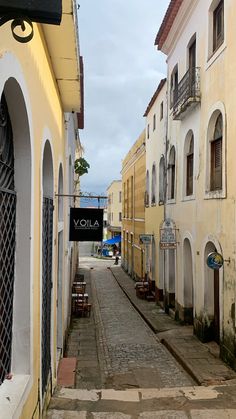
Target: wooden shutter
{"type": "Point", "coordinates": [216, 164]}
{"type": "Point", "coordinates": [189, 180]}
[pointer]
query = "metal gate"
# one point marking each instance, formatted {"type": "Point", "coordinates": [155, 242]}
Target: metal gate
{"type": "Point", "coordinates": [46, 289]}
{"type": "Point", "coordinates": [7, 238]}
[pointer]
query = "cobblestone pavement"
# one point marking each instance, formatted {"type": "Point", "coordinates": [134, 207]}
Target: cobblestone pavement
{"type": "Point", "coordinates": [117, 352]}
{"type": "Point", "coordinates": [133, 356]}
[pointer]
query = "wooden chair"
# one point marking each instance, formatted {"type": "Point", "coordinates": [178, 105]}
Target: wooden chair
{"type": "Point", "coordinates": [87, 309]}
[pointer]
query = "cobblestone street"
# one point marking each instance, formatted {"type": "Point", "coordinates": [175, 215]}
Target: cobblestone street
{"type": "Point", "coordinates": [123, 370]}
{"type": "Point", "coordinates": [133, 355]}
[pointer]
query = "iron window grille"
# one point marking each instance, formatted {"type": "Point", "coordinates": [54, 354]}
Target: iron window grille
{"type": "Point", "coordinates": [46, 289]}
{"type": "Point", "coordinates": [7, 239]}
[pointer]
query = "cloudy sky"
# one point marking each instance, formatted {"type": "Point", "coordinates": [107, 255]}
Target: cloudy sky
{"type": "Point", "coordinates": [122, 69]}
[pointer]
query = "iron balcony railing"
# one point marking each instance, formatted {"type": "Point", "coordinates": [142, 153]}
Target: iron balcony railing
{"type": "Point", "coordinates": [187, 92]}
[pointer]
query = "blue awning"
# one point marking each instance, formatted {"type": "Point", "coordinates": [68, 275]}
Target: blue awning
{"type": "Point", "coordinates": [115, 239]}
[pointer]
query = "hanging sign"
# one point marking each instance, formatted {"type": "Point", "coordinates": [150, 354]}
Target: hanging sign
{"type": "Point", "coordinates": [215, 260]}
{"type": "Point", "coordinates": [86, 224]}
{"type": "Point", "coordinates": [168, 235]}
{"type": "Point", "coordinates": [43, 11]}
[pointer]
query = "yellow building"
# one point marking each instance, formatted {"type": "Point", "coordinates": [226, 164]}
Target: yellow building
{"type": "Point", "coordinates": [41, 111]}
{"type": "Point", "coordinates": [155, 185]}
{"type": "Point", "coordinates": [114, 208]}
{"type": "Point", "coordinates": [133, 222]}
{"type": "Point", "coordinates": [198, 38]}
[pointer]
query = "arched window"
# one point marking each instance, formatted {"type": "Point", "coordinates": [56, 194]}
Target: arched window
{"type": "Point", "coordinates": [154, 182]}
{"type": "Point", "coordinates": [147, 190]}
{"type": "Point", "coordinates": [171, 174]}
{"type": "Point", "coordinates": [216, 155]}
{"type": "Point", "coordinates": [162, 180]}
{"type": "Point", "coordinates": [189, 166]}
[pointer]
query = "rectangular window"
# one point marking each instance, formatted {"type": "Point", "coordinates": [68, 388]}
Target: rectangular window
{"type": "Point", "coordinates": [189, 185]}
{"type": "Point", "coordinates": [124, 200]}
{"type": "Point", "coordinates": [218, 26]}
{"type": "Point", "coordinates": [161, 111]}
{"type": "Point", "coordinates": [192, 55]}
{"type": "Point", "coordinates": [120, 216]}
{"type": "Point", "coordinates": [148, 131]}
{"type": "Point", "coordinates": [174, 87]}
{"type": "Point", "coordinates": [120, 196]}
{"type": "Point", "coordinates": [216, 164]}
{"type": "Point", "coordinates": [132, 196]}
{"type": "Point", "coordinates": [172, 190]}
{"type": "Point", "coordinates": [154, 122]}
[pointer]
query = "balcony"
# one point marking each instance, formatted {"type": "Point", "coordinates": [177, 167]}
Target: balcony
{"type": "Point", "coordinates": [187, 94]}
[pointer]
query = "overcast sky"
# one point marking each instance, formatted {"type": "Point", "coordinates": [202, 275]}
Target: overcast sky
{"type": "Point", "coordinates": [122, 69]}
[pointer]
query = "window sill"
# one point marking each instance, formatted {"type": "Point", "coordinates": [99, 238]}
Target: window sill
{"type": "Point", "coordinates": [188, 198]}
{"type": "Point", "coordinates": [215, 195]}
{"type": "Point", "coordinates": [213, 57]}
{"type": "Point", "coordinates": [12, 395]}
{"type": "Point", "coordinates": [171, 201]}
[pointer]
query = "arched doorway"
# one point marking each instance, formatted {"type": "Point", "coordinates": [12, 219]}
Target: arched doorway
{"type": "Point", "coordinates": [212, 294]}
{"type": "Point", "coordinates": [188, 281]}
{"type": "Point", "coordinates": [47, 241]}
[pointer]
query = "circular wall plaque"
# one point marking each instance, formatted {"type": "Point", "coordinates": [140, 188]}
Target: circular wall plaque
{"type": "Point", "coordinates": [215, 260]}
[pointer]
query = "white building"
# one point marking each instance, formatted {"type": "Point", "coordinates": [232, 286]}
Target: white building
{"type": "Point", "coordinates": [198, 38]}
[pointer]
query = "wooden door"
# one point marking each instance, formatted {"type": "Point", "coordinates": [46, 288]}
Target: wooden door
{"type": "Point", "coordinates": [216, 307]}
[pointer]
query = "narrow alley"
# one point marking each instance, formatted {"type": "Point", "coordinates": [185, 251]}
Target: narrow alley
{"type": "Point", "coordinates": [123, 370]}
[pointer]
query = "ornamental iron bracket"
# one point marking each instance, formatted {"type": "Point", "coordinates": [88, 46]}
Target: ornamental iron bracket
{"type": "Point", "coordinates": [24, 14]}
{"type": "Point", "coordinates": [21, 22]}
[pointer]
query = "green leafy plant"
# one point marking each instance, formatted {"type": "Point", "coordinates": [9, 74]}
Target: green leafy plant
{"type": "Point", "coordinates": [81, 166]}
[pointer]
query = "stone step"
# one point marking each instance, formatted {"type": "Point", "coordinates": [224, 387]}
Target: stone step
{"type": "Point", "coordinates": [158, 414]}
{"type": "Point", "coordinates": [144, 403]}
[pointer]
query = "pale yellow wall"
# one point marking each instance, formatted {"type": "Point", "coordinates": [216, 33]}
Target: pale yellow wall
{"type": "Point", "coordinates": [114, 206]}
{"type": "Point", "coordinates": [206, 216]}
{"type": "Point", "coordinates": [154, 213]}
{"type": "Point", "coordinates": [46, 122]}
{"type": "Point", "coordinates": [133, 223]}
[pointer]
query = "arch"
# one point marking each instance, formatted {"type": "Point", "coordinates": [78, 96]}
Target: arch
{"type": "Point", "coordinates": [154, 182]}
{"type": "Point", "coordinates": [21, 354]}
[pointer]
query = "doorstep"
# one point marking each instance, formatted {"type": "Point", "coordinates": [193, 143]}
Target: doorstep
{"type": "Point", "coordinates": [66, 372]}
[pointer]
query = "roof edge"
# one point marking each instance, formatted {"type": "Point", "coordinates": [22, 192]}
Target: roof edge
{"type": "Point", "coordinates": [167, 22]}
{"type": "Point", "coordinates": [159, 88]}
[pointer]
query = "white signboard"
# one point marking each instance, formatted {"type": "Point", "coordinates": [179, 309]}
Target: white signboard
{"type": "Point", "coordinates": [168, 235]}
